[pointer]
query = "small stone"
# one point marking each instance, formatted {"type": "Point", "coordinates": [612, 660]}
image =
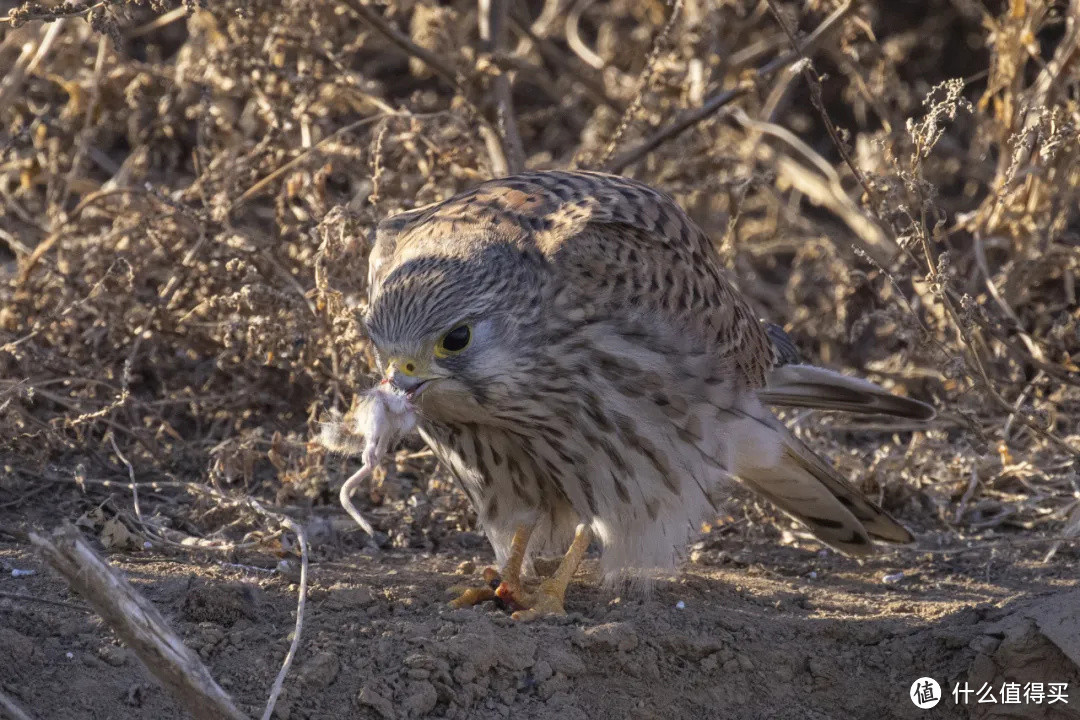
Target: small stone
{"type": "Point", "coordinates": [564, 661]}
{"type": "Point", "coordinates": [223, 604]}
{"type": "Point", "coordinates": [542, 671]}
{"type": "Point", "coordinates": [560, 699]}
{"type": "Point", "coordinates": [745, 662]}
{"type": "Point", "coordinates": [518, 653]}
{"type": "Point", "coordinates": [368, 696]}
{"type": "Point", "coordinates": [421, 700]}
{"type": "Point", "coordinates": [555, 684]}
{"type": "Point", "coordinates": [320, 671]}
{"type": "Point", "coordinates": [466, 567]}
{"type": "Point", "coordinates": [817, 667]}
{"type": "Point", "coordinates": [342, 597]}
{"type": "Point", "coordinates": [113, 655]}
{"type": "Point", "coordinates": [421, 661]}
{"type": "Point", "coordinates": [465, 674]}
{"type": "Point", "coordinates": [983, 644]}
{"type": "Point", "coordinates": [609, 636]}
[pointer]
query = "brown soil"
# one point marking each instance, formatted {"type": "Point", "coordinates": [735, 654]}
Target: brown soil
{"type": "Point", "coordinates": [768, 632]}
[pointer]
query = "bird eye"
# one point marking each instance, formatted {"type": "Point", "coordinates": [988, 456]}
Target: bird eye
{"type": "Point", "coordinates": [454, 341]}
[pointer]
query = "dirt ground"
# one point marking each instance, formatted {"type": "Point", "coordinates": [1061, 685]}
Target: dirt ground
{"type": "Point", "coordinates": [777, 632]}
{"type": "Point", "coordinates": [186, 197]}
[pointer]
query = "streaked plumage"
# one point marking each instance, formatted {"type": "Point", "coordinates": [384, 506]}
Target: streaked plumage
{"type": "Point", "coordinates": [612, 375]}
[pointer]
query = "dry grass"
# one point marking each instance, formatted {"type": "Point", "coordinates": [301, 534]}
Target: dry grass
{"type": "Point", "coordinates": [185, 198]}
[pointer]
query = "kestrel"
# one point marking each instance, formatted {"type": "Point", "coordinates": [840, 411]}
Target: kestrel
{"type": "Point", "coordinates": [580, 364]}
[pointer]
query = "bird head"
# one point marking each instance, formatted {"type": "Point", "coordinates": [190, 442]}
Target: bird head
{"type": "Point", "coordinates": [448, 329]}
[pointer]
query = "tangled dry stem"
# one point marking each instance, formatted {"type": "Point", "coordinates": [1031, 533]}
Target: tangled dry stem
{"type": "Point", "coordinates": [186, 207]}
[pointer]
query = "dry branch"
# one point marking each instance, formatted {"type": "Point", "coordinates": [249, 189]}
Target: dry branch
{"type": "Point", "coordinates": [688, 118]}
{"type": "Point", "coordinates": [815, 98]}
{"type": "Point", "coordinates": [492, 19]}
{"type": "Point", "coordinates": [301, 604]}
{"type": "Point", "coordinates": [1055, 73]}
{"type": "Point", "coordinates": [501, 156]}
{"type": "Point", "coordinates": [581, 72]}
{"type": "Point", "coordinates": [27, 63]}
{"type": "Point", "coordinates": [404, 42]}
{"type": "Point", "coordinates": [660, 42]}
{"type": "Point", "coordinates": [9, 709]}
{"type": "Point", "coordinates": [138, 623]}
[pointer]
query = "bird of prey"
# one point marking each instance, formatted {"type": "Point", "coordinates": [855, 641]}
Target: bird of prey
{"type": "Point", "coordinates": [580, 364]}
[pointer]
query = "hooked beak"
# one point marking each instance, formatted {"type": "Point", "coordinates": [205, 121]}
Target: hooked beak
{"type": "Point", "coordinates": [408, 376]}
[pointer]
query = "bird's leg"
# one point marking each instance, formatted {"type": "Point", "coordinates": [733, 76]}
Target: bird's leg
{"type": "Point", "coordinates": [548, 598]}
{"type": "Point", "coordinates": [510, 590]}
{"type": "Point", "coordinates": [506, 585]}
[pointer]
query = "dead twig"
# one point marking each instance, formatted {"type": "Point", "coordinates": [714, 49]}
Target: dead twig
{"type": "Point", "coordinates": [1053, 74]}
{"type": "Point", "coordinates": [43, 601]}
{"type": "Point", "coordinates": [981, 376]}
{"type": "Point", "coordinates": [301, 605]}
{"type": "Point", "coordinates": [27, 63]}
{"type": "Point", "coordinates": [582, 73]}
{"type": "Point", "coordinates": [22, 15]}
{"type": "Point", "coordinates": [492, 141]}
{"type": "Point", "coordinates": [261, 185]}
{"type": "Point", "coordinates": [820, 182]}
{"type": "Point", "coordinates": [177, 13]}
{"type": "Point", "coordinates": [492, 21]}
{"type": "Point", "coordinates": [11, 709]}
{"type": "Point", "coordinates": [83, 142]}
{"type": "Point", "coordinates": [659, 43]}
{"type": "Point", "coordinates": [138, 623]}
{"type": "Point", "coordinates": [689, 118]}
{"type": "Point", "coordinates": [969, 492]}
{"type": "Point", "coordinates": [1017, 352]}
{"type": "Point", "coordinates": [573, 36]}
{"type": "Point", "coordinates": [815, 99]}
{"type": "Point", "coordinates": [404, 43]}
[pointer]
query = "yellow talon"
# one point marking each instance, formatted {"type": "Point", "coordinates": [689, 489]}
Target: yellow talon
{"type": "Point", "coordinates": [549, 597]}
{"type": "Point", "coordinates": [528, 605]}
{"type": "Point", "coordinates": [468, 596]}
{"type": "Point", "coordinates": [503, 586]}
{"type": "Point", "coordinates": [548, 600]}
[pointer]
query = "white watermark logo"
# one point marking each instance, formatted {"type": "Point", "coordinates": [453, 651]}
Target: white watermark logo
{"type": "Point", "coordinates": [1012, 693]}
{"type": "Point", "coordinates": [925, 693]}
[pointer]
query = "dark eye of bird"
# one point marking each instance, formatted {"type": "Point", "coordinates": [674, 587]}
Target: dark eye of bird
{"type": "Point", "coordinates": [457, 339]}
